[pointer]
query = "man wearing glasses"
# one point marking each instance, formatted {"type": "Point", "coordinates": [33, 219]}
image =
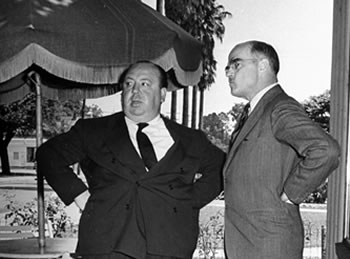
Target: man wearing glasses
{"type": "Point", "coordinates": [278, 156]}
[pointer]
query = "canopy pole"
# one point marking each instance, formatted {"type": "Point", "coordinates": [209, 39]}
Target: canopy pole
{"type": "Point", "coordinates": [40, 178]}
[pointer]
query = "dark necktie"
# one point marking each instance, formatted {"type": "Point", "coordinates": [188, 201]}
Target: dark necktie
{"type": "Point", "coordinates": [146, 148]}
{"type": "Point", "coordinates": [242, 119]}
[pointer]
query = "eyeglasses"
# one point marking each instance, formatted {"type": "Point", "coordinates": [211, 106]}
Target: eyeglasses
{"type": "Point", "coordinates": [236, 64]}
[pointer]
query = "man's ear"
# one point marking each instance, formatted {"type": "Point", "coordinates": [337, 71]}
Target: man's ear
{"type": "Point", "coordinates": [264, 65]}
{"type": "Point", "coordinates": [163, 92]}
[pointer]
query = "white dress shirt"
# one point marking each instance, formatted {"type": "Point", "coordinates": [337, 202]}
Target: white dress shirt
{"type": "Point", "coordinates": [156, 132]}
{"type": "Point", "coordinates": [258, 96]}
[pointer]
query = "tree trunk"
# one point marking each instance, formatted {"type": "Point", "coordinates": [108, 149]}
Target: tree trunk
{"type": "Point", "coordinates": [5, 164]}
{"type": "Point", "coordinates": [185, 108]}
{"type": "Point", "coordinates": [201, 108]}
{"type": "Point", "coordinates": [194, 107]}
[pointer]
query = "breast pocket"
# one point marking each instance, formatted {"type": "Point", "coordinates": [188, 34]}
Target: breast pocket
{"type": "Point", "coordinates": [188, 170]}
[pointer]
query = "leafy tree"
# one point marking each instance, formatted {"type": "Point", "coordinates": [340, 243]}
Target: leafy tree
{"type": "Point", "coordinates": [19, 118]}
{"type": "Point", "coordinates": [219, 127]}
{"type": "Point", "coordinates": [319, 195]}
{"type": "Point", "coordinates": [318, 109]}
{"type": "Point", "coordinates": [215, 126]}
{"type": "Point", "coordinates": [203, 19]}
{"type": "Point", "coordinates": [235, 111]}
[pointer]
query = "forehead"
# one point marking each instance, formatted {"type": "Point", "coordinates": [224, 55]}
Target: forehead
{"type": "Point", "coordinates": [143, 70]}
{"type": "Point", "coordinates": [240, 51]}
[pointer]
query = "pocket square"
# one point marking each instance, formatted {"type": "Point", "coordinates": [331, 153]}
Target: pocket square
{"type": "Point", "coordinates": [197, 176]}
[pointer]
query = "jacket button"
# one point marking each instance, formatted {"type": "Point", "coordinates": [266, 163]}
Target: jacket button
{"type": "Point", "coordinates": [137, 183]}
{"type": "Point", "coordinates": [127, 206]}
{"type": "Point", "coordinates": [171, 187]}
{"type": "Point", "coordinates": [113, 160]}
{"type": "Point", "coordinates": [175, 209]}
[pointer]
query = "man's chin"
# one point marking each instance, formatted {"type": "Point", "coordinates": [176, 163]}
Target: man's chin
{"type": "Point", "coordinates": [235, 92]}
{"type": "Point", "coordinates": [135, 111]}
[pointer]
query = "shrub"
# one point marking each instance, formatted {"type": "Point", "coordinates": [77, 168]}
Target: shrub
{"type": "Point", "coordinates": [27, 214]}
{"type": "Point", "coordinates": [211, 236]}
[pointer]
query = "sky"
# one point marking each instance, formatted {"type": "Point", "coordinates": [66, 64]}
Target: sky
{"type": "Point", "coordinates": [299, 30]}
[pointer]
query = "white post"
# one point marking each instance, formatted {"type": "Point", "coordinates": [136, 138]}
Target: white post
{"type": "Point", "coordinates": [337, 204]}
{"type": "Point", "coordinates": [40, 178]}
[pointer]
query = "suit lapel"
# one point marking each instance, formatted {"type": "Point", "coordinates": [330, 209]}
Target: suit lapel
{"type": "Point", "coordinates": [176, 152]}
{"type": "Point", "coordinates": [120, 147]}
{"type": "Point", "coordinates": [252, 121]}
{"type": "Point", "coordinates": [119, 143]}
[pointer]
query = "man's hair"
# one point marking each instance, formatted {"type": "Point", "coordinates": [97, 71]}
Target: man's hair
{"type": "Point", "coordinates": [268, 51]}
{"type": "Point", "coordinates": [162, 74]}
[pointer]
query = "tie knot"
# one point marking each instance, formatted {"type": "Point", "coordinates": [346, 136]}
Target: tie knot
{"type": "Point", "coordinates": [142, 125]}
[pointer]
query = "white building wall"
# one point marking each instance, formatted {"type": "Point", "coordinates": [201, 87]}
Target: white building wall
{"type": "Point", "coordinates": [21, 152]}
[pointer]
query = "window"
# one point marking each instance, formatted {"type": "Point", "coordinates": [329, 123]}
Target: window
{"type": "Point", "coordinates": [15, 156]}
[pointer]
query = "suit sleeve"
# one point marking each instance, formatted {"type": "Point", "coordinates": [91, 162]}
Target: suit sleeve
{"type": "Point", "coordinates": [209, 186]}
{"type": "Point", "coordinates": [55, 158]}
{"type": "Point", "coordinates": [317, 153]}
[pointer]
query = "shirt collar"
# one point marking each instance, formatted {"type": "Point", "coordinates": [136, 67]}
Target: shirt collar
{"type": "Point", "coordinates": [154, 121]}
{"type": "Point", "coordinates": [259, 95]}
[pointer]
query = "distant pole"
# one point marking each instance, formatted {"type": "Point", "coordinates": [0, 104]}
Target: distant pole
{"type": "Point", "coordinates": [173, 105]}
{"type": "Point", "coordinates": [40, 177]}
{"type": "Point", "coordinates": [201, 109]}
{"type": "Point", "coordinates": [185, 107]}
{"type": "Point", "coordinates": [173, 108]}
{"type": "Point", "coordinates": [323, 242]}
{"type": "Point", "coordinates": [160, 6]}
{"type": "Point", "coordinates": [194, 106]}
{"type": "Point", "coordinates": [82, 115]}
{"type": "Point", "coordinates": [82, 112]}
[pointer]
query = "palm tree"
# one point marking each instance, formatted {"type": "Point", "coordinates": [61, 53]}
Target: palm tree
{"type": "Point", "coordinates": [203, 19]}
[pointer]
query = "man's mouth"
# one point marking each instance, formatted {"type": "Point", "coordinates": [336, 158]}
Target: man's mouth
{"type": "Point", "coordinates": [135, 102]}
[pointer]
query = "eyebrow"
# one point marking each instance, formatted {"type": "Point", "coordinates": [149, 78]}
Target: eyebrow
{"type": "Point", "coordinates": [234, 60]}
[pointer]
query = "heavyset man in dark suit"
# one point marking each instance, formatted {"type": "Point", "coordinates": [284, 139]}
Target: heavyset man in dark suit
{"type": "Point", "coordinates": [128, 210]}
{"type": "Point", "coordinates": [277, 158]}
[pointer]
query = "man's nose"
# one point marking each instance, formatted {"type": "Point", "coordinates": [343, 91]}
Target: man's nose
{"type": "Point", "coordinates": [136, 87]}
{"type": "Point", "coordinates": [229, 71]}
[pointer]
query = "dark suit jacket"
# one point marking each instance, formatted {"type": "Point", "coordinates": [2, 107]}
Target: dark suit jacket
{"type": "Point", "coordinates": [343, 249]}
{"type": "Point", "coordinates": [130, 210]}
{"type": "Point", "coordinates": [279, 149]}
